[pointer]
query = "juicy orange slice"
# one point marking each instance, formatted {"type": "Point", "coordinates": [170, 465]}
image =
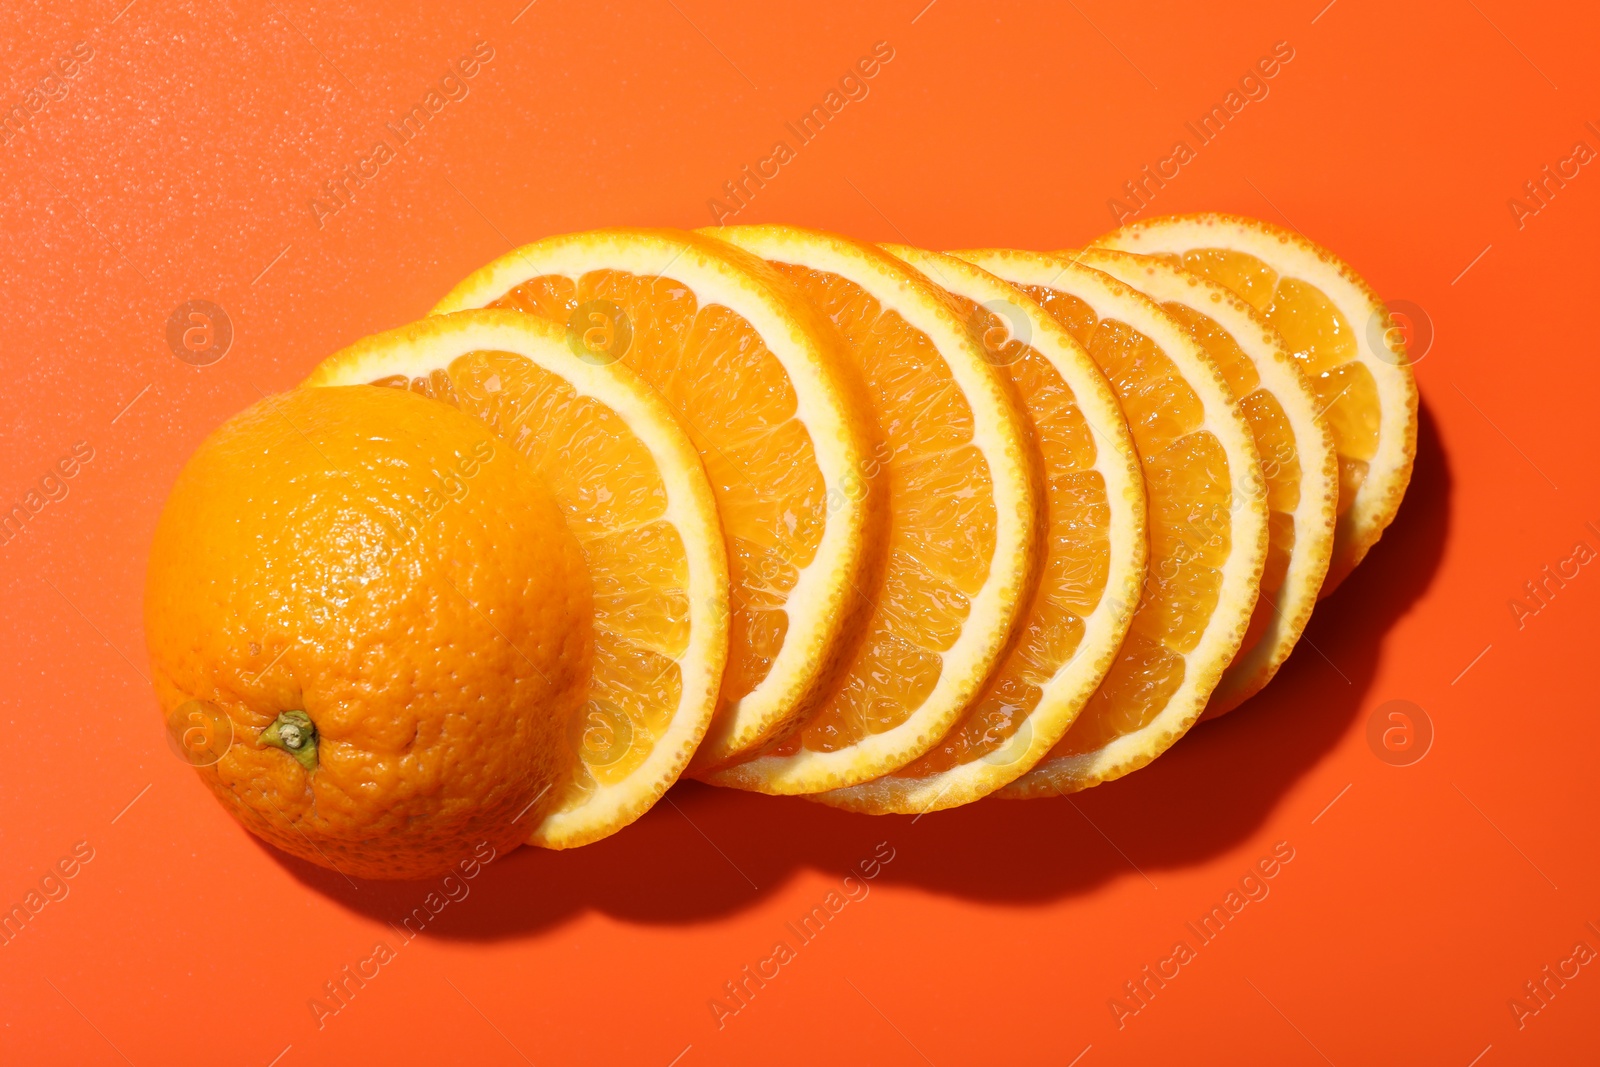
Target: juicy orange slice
{"type": "Point", "coordinates": [1093, 564]}
{"type": "Point", "coordinates": [958, 558]}
{"type": "Point", "coordinates": [1207, 521]}
{"type": "Point", "coordinates": [1294, 443]}
{"type": "Point", "coordinates": [633, 491]}
{"type": "Point", "coordinates": [754, 376]}
{"type": "Point", "coordinates": [1337, 329]}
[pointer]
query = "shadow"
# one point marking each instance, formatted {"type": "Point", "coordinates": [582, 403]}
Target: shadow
{"type": "Point", "coordinates": [704, 852]}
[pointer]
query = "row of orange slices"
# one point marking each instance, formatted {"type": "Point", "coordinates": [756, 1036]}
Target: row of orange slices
{"type": "Point", "coordinates": [897, 530]}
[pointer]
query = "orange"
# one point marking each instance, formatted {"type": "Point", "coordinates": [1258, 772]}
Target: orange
{"type": "Point", "coordinates": [755, 378]}
{"type": "Point", "coordinates": [1207, 521]}
{"type": "Point", "coordinates": [1337, 329]}
{"type": "Point", "coordinates": [385, 610]}
{"type": "Point", "coordinates": [1296, 448]}
{"type": "Point", "coordinates": [1094, 555]}
{"type": "Point", "coordinates": [633, 491]}
{"type": "Point", "coordinates": [962, 490]}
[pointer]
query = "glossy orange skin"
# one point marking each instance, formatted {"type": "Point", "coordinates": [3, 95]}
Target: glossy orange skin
{"type": "Point", "coordinates": [383, 563]}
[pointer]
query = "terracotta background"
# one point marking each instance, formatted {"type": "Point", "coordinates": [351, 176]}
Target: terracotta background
{"type": "Point", "coordinates": [181, 163]}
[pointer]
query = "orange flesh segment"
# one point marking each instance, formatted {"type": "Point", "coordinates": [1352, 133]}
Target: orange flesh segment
{"type": "Point", "coordinates": [1077, 561]}
{"type": "Point", "coordinates": [1189, 492]}
{"type": "Point", "coordinates": [941, 527]}
{"type": "Point", "coordinates": [1323, 341]}
{"type": "Point", "coordinates": [735, 400]}
{"type": "Point", "coordinates": [611, 494]}
{"type": "Point", "coordinates": [1280, 459]}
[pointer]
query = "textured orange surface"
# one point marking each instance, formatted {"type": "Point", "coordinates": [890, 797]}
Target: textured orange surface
{"type": "Point", "coordinates": [1384, 913]}
{"type": "Point", "coordinates": [382, 564]}
{"type": "Point", "coordinates": [742, 416]}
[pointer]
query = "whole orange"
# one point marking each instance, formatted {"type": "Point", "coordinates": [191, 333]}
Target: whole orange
{"type": "Point", "coordinates": [380, 603]}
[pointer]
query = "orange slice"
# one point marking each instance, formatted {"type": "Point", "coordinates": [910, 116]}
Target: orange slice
{"type": "Point", "coordinates": [1337, 329]}
{"type": "Point", "coordinates": [633, 491]}
{"type": "Point", "coordinates": [1207, 521]}
{"type": "Point", "coordinates": [1093, 565]}
{"type": "Point", "coordinates": [959, 556]}
{"type": "Point", "coordinates": [1294, 443]}
{"type": "Point", "coordinates": [755, 378]}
